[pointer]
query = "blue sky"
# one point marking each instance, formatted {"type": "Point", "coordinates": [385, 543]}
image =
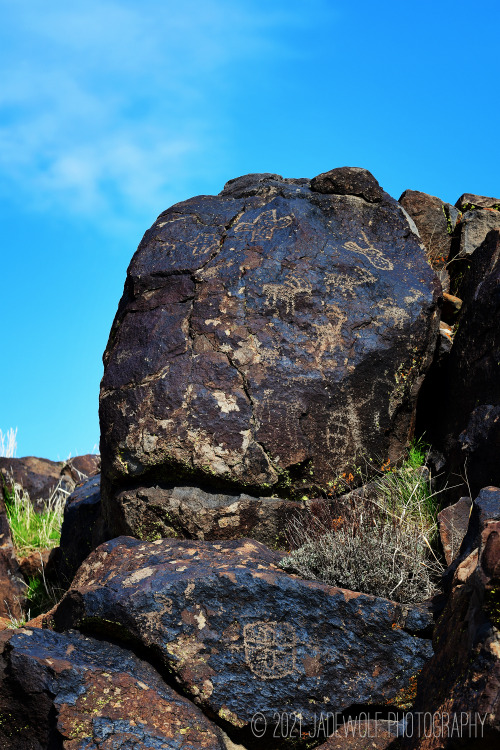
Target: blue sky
{"type": "Point", "coordinates": [111, 111]}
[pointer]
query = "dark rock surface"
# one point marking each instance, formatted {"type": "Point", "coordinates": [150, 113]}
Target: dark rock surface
{"type": "Point", "coordinates": [474, 227]}
{"type": "Point", "coordinates": [469, 379]}
{"type": "Point", "coordinates": [360, 735]}
{"type": "Point", "coordinates": [242, 636]}
{"type": "Point", "coordinates": [469, 200]}
{"type": "Point", "coordinates": [191, 513]}
{"type": "Point", "coordinates": [463, 676]}
{"type": "Point", "coordinates": [83, 529]}
{"type": "Point", "coordinates": [12, 588]}
{"type": "Point", "coordinates": [349, 181]}
{"type": "Point", "coordinates": [435, 221]}
{"type": "Point", "coordinates": [74, 692]}
{"type": "Point", "coordinates": [265, 337]}
{"type": "Point", "coordinates": [453, 522]}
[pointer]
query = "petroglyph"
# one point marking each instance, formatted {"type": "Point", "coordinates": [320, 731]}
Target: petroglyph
{"type": "Point", "coordinates": [264, 226]}
{"type": "Point", "coordinates": [270, 649]}
{"type": "Point", "coordinates": [328, 334]}
{"type": "Point", "coordinates": [286, 292]}
{"type": "Point", "coordinates": [343, 433]}
{"type": "Point", "coordinates": [371, 253]}
{"type": "Point", "coordinates": [347, 284]}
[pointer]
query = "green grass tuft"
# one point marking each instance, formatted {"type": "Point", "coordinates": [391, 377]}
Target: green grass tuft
{"type": "Point", "coordinates": [31, 530]}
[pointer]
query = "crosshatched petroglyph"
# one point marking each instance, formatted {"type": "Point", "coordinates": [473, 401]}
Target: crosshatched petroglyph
{"type": "Point", "coordinates": [264, 226]}
{"type": "Point", "coordinates": [371, 253]}
{"type": "Point", "coordinates": [286, 292]}
{"type": "Point", "coordinates": [346, 283]}
{"type": "Point", "coordinates": [270, 649]}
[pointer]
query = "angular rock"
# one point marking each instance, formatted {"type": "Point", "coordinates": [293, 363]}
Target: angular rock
{"type": "Point", "coordinates": [34, 564]}
{"type": "Point", "coordinates": [265, 337]}
{"type": "Point", "coordinates": [453, 522]}
{"type": "Point", "coordinates": [191, 513]}
{"type": "Point", "coordinates": [474, 227]}
{"type": "Point", "coordinates": [12, 587]}
{"type": "Point", "coordinates": [241, 636]}
{"type": "Point", "coordinates": [349, 181]}
{"type": "Point", "coordinates": [435, 221]}
{"type": "Point", "coordinates": [73, 692]}
{"type": "Point", "coordinates": [468, 202]}
{"type": "Point", "coordinates": [83, 529]}
{"type": "Point", "coordinates": [81, 468]}
{"type": "Point", "coordinates": [480, 447]}
{"type": "Point", "coordinates": [463, 677]}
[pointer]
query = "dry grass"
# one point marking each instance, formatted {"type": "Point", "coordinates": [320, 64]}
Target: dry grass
{"type": "Point", "coordinates": [380, 542]}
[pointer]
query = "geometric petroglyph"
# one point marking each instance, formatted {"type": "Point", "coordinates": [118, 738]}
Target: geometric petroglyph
{"type": "Point", "coordinates": [270, 649]}
{"type": "Point", "coordinates": [375, 256]}
{"type": "Point", "coordinates": [346, 284]}
{"type": "Point", "coordinates": [286, 292]}
{"type": "Point", "coordinates": [338, 434]}
{"type": "Point", "coordinates": [264, 226]}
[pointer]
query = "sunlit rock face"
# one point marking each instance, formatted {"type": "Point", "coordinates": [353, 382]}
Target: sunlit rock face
{"type": "Point", "coordinates": [267, 337]}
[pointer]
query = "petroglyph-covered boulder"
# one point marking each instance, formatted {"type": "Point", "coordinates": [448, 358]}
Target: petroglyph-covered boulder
{"type": "Point", "coordinates": [240, 635]}
{"type": "Point", "coordinates": [73, 692]}
{"type": "Point", "coordinates": [266, 336]}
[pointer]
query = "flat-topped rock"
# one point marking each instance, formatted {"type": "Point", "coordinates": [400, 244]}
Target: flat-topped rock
{"type": "Point", "coordinates": [240, 636]}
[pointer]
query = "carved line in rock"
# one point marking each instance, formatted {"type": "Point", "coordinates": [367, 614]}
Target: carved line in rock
{"type": "Point", "coordinates": [270, 649]}
{"type": "Point", "coordinates": [287, 292]}
{"type": "Point", "coordinates": [264, 226]}
{"type": "Point", "coordinates": [371, 253]}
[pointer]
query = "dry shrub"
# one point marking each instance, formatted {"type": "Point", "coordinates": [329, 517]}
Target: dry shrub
{"type": "Point", "coordinates": [378, 541]}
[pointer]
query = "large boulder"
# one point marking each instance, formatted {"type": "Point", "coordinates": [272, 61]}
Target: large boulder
{"type": "Point", "coordinates": [74, 692]}
{"type": "Point", "coordinates": [474, 226]}
{"type": "Point", "coordinates": [240, 636]}
{"type": "Point", "coordinates": [266, 337]}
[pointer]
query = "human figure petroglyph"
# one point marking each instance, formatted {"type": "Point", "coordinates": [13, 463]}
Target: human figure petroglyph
{"type": "Point", "coordinates": [371, 253]}
{"type": "Point", "coordinates": [286, 292]}
{"type": "Point", "coordinates": [270, 649]}
{"type": "Point", "coordinates": [264, 226]}
{"type": "Point", "coordinates": [346, 283]}
{"type": "Point", "coordinates": [329, 335]}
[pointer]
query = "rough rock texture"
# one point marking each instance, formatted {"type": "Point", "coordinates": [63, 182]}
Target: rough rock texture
{"type": "Point", "coordinates": [464, 674]}
{"type": "Point", "coordinates": [265, 336]}
{"type": "Point", "coordinates": [474, 227]}
{"type": "Point", "coordinates": [83, 528]}
{"type": "Point", "coordinates": [39, 476]}
{"type": "Point", "coordinates": [189, 512]}
{"type": "Point", "coordinates": [362, 735]}
{"type": "Point", "coordinates": [453, 522]}
{"type": "Point", "coordinates": [469, 379]}
{"type": "Point", "coordinates": [435, 221]}
{"type": "Point", "coordinates": [12, 588]}
{"type": "Point", "coordinates": [468, 200]}
{"type": "Point", "coordinates": [73, 692]}
{"type": "Point", "coordinates": [451, 307]}
{"type": "Point", "coordinates": [242, 636]}
{"type": "Point", "coordinates": [35, 563]}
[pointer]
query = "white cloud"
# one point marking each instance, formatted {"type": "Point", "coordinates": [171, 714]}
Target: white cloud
{"type": "Point", "coordinates": [107, 106]}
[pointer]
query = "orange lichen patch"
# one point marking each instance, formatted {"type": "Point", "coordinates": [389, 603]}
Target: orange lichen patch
{"type": "Point", "coordinates": [113, 697]}
{"type": "Point", "coordinates": [405, 698]}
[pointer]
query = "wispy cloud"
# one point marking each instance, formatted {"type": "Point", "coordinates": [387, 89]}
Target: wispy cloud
{"type": "Point", "coordinates": [106, 106]}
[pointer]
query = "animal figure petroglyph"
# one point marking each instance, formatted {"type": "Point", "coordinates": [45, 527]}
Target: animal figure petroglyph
{"type": "Point", "coordinates": [346, 284]}
{"type": "Point", "coordinates": [286, 292]}
{"type": "Point", "coordinates": [264, 226]}
{"type": "Point", "coordinates": [371, 253]}
{"type": "Point", "coordinates": [270, 649]}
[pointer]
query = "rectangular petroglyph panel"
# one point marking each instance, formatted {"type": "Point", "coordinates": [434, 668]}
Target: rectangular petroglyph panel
{"type": "Point", "coordinates": [270, 649]}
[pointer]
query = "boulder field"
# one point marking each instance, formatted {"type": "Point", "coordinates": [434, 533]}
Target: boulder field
{"type": "Point", "coordinates": [268, 340]}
